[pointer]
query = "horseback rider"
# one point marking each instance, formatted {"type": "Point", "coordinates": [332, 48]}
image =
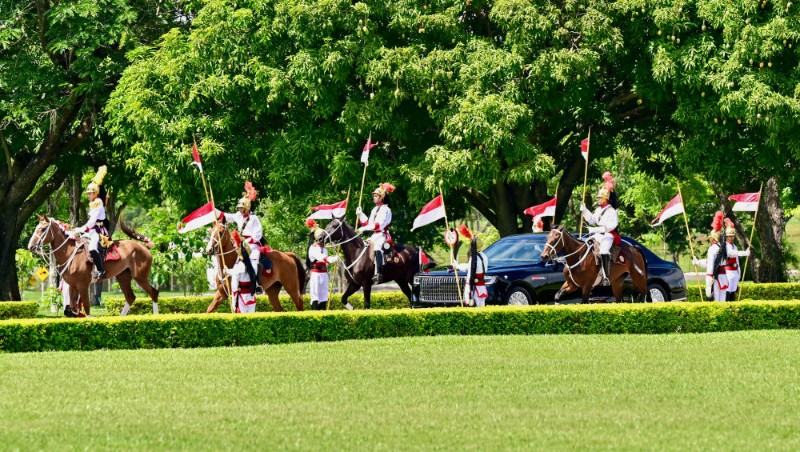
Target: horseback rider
{"type": "Point", "coordinates": [251, 232]}
{"type": "Point", "coordinates": [732, 262]}
{"type": "Point", "coordinates": [716, 277]}
{"type": "Point", "coordinates": [97, 223]}
{"type": "Point", "coordinates": [318, 256]}
{"type": "Point", "coordinates": [606, 220]}
{"type": "Point", "coordinates": [475, 292]}
{"type": "Point", "coordinates": [379, 219]}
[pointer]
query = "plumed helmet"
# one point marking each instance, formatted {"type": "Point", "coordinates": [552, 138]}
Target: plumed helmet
{"type": "Point", "coordinates": [384, 189]}
{"type": "Point", "coordinates": [248, 197]}
{"type": "Point", "coordinates": [92, 188]}
{"type": "Point", "coordinates": [730, 229]}
{"type": "Point", "coordinates": [97, 180]}
{"type": "Point", "coordinates": [716, 227]}
{"type": "Point", "coordinates": [243, 202]}
{"type": "Point", "coordinates": [603, 194]}
{"type": "Point", "coordinates": [319, 234]}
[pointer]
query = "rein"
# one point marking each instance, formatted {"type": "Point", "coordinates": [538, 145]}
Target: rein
{"type": "Point", "coordinates": [40, 248]}
{"type": "Point", "coordinates": [563, 259]}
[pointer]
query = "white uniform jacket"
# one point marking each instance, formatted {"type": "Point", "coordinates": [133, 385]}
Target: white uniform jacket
{"type": "Point", "coordinates": [379, 219]}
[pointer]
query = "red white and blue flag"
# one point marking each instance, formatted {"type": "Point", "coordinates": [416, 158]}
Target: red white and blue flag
{"type": "Point", "coordinates": [329, 211]}
{"type": "Point", "coordinates": [745, 202]}
{"type": "Point", "coordinates": [432, 211]}
{"type": "Point", "coordinates": [199, 218]}
{"type": "Point", "coordinates": [674, 207]}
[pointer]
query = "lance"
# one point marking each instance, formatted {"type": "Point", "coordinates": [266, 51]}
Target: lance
{"type": "Point", "coordinates": [585, 177]}
{"type": "Point", "coordinates": [750, 243]}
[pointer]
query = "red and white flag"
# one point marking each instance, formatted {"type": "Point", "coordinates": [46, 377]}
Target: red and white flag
{"type": "Point", "coordinates": [585, 149]}
{"type": "Point", "coordinates": [432, 211]}
{"type": "Point", "coordinates": [423, 260]}
{"type": "Point", "coordinates": [196, 157]}
{"type": "Point", "coordinates": [745, 202]}
{"type": "Point", "coordinates": [674, 207]}
{"type": "Point", "coordinates": [367, 147]}
{"type": "Point", "coordinates": [547, 209]}
{"type": "Point", "coordinates": [329, 211]}
{"type": "Point", "coordinates": [199, 218]}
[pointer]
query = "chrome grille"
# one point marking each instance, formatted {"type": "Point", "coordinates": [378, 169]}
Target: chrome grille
{"type": "Point", "coordinates": [439, 289]}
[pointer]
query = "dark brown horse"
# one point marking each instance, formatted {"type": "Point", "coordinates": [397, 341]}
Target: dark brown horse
{"type": "Point", "coordinates": [360, 267]}
{"type": "Point", "coordinates": [287, 271]}
{"type": "Point", "coordinates": [581, 270]}
{"type": "Point", "coordinates": [75, 267]}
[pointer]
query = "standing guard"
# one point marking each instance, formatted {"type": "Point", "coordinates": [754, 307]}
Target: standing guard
{"type": "Point", "coordinates": [716, 277]}
{"type": "Point", "coordinates": [318, 255]}
{"type": "Point", "coordinates": [732, 261]}
{"type": "Point", "coordinates": [378, 221]}
{"type": "Point", "coordinates": [475, 292]}
{"type": "Point", "coordinates": [97, 224]}
{"type": "Point", "coordinates": [250, 229]}
{"type": "Point", "coordinates": [606, 220]}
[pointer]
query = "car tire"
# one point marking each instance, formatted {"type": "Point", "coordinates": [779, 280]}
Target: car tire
{"type": "Point", "coordinates": [518, 296]}
{"type": "Point", "coordinates": [657, 293]}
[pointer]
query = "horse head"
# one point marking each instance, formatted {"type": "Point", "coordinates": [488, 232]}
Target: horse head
{"type": "Point", "coordinates": [219, 237]}
{"type": "Point", "coordinates": [42, 235]}
{"type": "Point", "coordinates": [554, 244]}
{"type": "Point", "coordinates": [338, 231]}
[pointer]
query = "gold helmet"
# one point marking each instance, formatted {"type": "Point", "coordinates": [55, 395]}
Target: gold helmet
{"type": "Point", "coordinates": [383, 189]}
{"type": "Point", "coordinates": [243, 202]}
{"type": "Point", "coordinates": [319, 233]}
{"type": "Point", "coordinates": [248, 197]}
{"type": "Point", "coordinates": [603, 194]}
{"type": "Point", "coordinates": [730, 229]}
{"type": "Point", "coordinates": [94, 186]}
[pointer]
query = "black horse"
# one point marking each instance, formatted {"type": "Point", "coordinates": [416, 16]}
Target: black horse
{"type": "Point", "coordinates": [360, 267]}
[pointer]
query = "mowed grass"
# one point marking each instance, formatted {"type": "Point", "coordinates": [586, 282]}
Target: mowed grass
{"type": "Point", "coordinates": [733, 391]}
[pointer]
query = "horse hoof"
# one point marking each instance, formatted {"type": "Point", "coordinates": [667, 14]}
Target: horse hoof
{"type": "Point", "coordinates": [349, 307]}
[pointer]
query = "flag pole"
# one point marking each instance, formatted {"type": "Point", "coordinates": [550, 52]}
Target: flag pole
{"type": "Point", "coordinates": [750, 243]}
{"type": "Point", "coordinates": [210, 198]}
{"type": "Point", "coordinates": [363, 178]}
{"type": "Point", "coordinates": [336, 252]}
{"type": "Point", "coordinates": [689, 238]}
{"type": "Point", "coordinates": [585, 177]}
{"type": "Point", "coordinates": [452, 256]}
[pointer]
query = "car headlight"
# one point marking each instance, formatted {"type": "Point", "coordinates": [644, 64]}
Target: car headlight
{"type": "Point", "coordinates": [490, 280]}
{"type": "Point", "coordinates": [416, 280]}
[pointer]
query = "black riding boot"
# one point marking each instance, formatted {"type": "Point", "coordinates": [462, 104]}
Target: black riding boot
{"type": "Point", "coordinates": [251, 272]}
{"type": "Point", "coordinates": [378, 278]}
{"type": "Point", "coordinates": [606, 258]}
{"type": "Point", "coordinates": [98, 263]}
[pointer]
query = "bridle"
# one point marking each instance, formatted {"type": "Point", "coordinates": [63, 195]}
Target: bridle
{"type": "Point", "coordinates": [552, 253]}
{"type": "Point", "coordinates": [39, 247]}
{"type": "Point", "coordinates": [211, 249]}
{"type": "Point", "coordinates": [336, 245]}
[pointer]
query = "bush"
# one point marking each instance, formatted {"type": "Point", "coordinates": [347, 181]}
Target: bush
{"type": "Point", "coordinates": [18, 309]}
{"type": "Point", "coordinates": [216, 330]}
{"type": "Point", "coordinates": [199, 304]}
{"type": "Point", "coordinates": [755, 291]}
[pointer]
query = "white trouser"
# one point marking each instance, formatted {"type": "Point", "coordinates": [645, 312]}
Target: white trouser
{"type": "Point", "coordinates": [733, 279]}
{"type": "Point", "coordinates": [479, 297]}
{"type": "Point", "coordinates": [65, 292]}
{"type": "Point", "coordinates": [318, 286]}
{"type": "Point", "coordinates": [255, 254]}
{"type": "Point", "coordinates": [717, 290]}
{"type": "Point", "coordinates": [377, 240]}
{"type": "Point", "coordinates": [605, 240]}
{"type": "Point", "coordinates": [94, 239]}
{"type": "Point", "coordinates": [245, 302]}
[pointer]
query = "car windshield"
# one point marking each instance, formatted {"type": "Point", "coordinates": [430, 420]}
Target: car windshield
{"type": "Point", "coordinates": [516, 250]}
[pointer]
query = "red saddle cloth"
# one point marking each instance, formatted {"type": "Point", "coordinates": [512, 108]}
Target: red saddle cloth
{"type": "Point", "coordinates": [111, 255]}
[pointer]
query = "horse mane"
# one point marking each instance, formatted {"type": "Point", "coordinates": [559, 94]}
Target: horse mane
{"type": "Point", "coordinates": [130, 232]}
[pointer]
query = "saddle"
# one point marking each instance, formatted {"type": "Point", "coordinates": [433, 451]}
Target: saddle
{"type": "Point", "coordinates": [108, 253]}
{"type": "Point", "coordinates": [615, 249]}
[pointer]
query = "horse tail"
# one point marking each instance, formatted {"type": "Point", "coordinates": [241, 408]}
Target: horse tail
{"type": "Point", "coordinates": [644, 260]}
{"type": "Point", "coordinates": [301, 272]}
{"type": "Point", "coordinates": [130, 232]}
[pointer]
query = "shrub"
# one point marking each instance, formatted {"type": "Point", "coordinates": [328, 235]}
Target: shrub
{"type": "Point", "coordinates": [755, 291]}
{"type": "Point", "coordinates": [169, 331]}
{"type": "Point", "coordinates": [18, 309]}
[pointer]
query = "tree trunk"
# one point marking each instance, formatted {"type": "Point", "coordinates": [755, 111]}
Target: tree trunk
{"type": "Point", "coordinates": [9, 236]}
{"type": "Point", "coordinates": [770, 227]}
{"type": "Point", "coordinates": [571, 176]}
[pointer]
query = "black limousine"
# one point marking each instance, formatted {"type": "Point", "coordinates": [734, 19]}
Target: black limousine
{"type": "Point", "coordinates": [517, 276]}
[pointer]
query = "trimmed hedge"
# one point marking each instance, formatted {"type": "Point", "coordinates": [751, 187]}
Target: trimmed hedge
{"type": "Point", "coordinates": [216, 330]}
{"type": "Point", "coordinates": [199, 304]}
{"type": "Point", "coordinates": [18, 309]}
{"type": "Point", "coordinates": [754, 291]}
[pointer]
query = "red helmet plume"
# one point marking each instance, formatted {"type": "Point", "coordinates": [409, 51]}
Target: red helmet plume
{"type": "Point", "coordinates": [609, 184]}
{"type": "Point", "coordinates": [250, 191]}
{"type": "Point", "coordinates": [464, 231]}
{"type": "Point", "coordinates": [716, 223]}
{"type": "Point", "coordinates": [311, 223]}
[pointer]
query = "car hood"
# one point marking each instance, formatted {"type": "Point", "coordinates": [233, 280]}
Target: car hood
{"type": "Point", "coordinates": [442, 270]}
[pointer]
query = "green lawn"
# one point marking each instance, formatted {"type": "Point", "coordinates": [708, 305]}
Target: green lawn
{"type": "Point", "coordinates": [711, 391]}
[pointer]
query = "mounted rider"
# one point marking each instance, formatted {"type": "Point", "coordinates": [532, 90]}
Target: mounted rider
{"type": "Point", "coordinates": [377, 223]}
{"type": "Point", "coordinates": [319, 259]}
{"type": "Point", "coordinates": [606, 220]}
{"type": "Point", "coordinates": [250, 229]}
{"type": "Point", "coordinates": [97, 225]}
{"type": "Point", "coordinates": [732, 262]}
{"type": "Point", "coordinates": [716, 278]}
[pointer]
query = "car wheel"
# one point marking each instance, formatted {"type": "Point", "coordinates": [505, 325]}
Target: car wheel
{"type": "Point", "coordinates": [657, 293]}
{"type": "Point", "coordinates": [518, 296]}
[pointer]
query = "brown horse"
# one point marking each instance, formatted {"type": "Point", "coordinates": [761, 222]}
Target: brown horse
{"type": "Point", "coordinates": [73, 263]}
{"type": "Point", "coordinates": [359, 266]}
{"type": "Point", "coordinates": [581, 270]}
{"type": "Point", "coordinates": [287, 271]}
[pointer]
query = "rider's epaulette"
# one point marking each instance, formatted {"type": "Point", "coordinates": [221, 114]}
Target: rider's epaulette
{"type": "Point", "coordinates": [97, 203]}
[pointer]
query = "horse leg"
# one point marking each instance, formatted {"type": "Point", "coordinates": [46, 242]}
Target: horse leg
{"type": "Point", "coordinates": [587, 290]}
{"type": "Point", "coordinates": [218, 298]}
{"type": "Point", "coordinates": [124, 280]}
{"type": "Point", "coordinates": [566, 288]}
{"type": "Point", "coordinates": [351, 289]}
{"type": "Point", "coordinates": [367, 292]}
{"type": "Point", "coordinates": [273, 293]}
{"type": "Point", "coordinates": [616, 287]}
{"type": "Point", "coordinates": [83, 294]}
{"type": "Point", "coordinates": [152, 291]}
{"type": "Point", "coordinates": [406, 288]}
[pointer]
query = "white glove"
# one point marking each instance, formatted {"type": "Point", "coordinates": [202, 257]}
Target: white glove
{"type": "Point", "coordinates": [595, 229]}
{"type": "Point", "coordinates": [332, 259]}
{"type": "Point", "coordinates": [359, 211]}
{"type": "Point", "coordinates": [364, 229]}
{"type": "Point", "coordinates": [709, 285]}
{"type": "Point", "coordinates": [583, 208]}
{"type": "Point", "coordinates": [696, 262]}
{"type": "Point", "coordinates": [744, 253]}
